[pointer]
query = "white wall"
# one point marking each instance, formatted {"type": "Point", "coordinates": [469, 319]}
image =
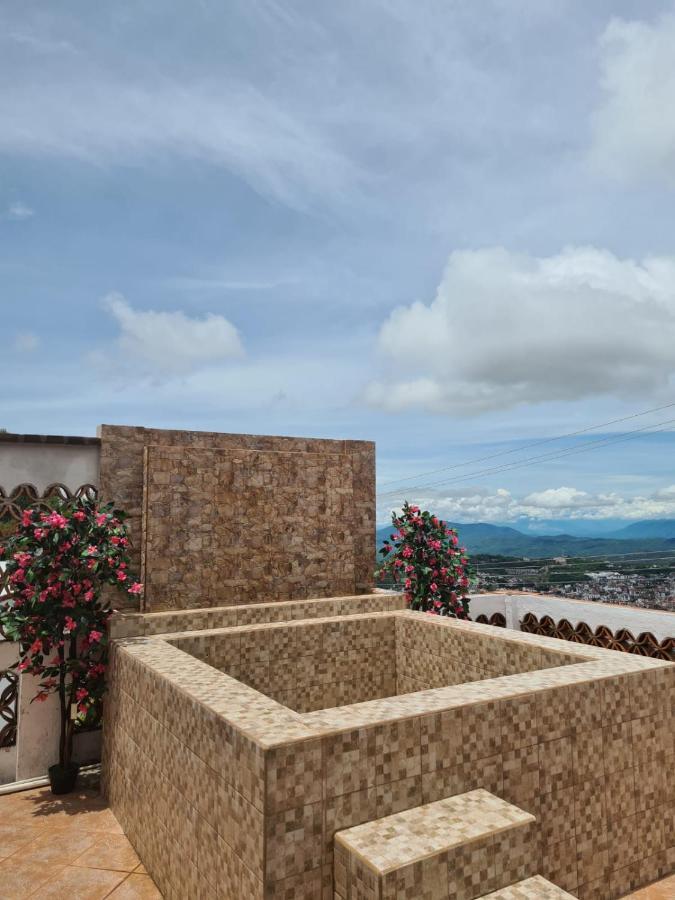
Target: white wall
{"type": "Point", "coordinates": [45, 464]}
{"type": "Point", "coordinates": [516, 606]}
{"type": "Point", "coordinates": [8, 656]}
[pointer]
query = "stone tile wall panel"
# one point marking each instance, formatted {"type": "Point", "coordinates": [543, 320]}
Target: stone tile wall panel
{"type": "Point", "coordinates": [222, 518]}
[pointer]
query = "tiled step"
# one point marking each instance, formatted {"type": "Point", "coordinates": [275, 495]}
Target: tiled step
{"type": "Point", "coordinates": [460, 847]}
{"type": "Point", "coordinates": [536, 888]}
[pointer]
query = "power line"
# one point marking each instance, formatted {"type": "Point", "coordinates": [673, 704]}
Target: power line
{"type": "Point", "coordinates": [561, 437]}
{"type": "Point", "coordinates": [570, 451]}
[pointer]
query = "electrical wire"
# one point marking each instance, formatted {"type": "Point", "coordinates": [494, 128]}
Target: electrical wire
{"type": "Point", "coordinates": [570, 451]}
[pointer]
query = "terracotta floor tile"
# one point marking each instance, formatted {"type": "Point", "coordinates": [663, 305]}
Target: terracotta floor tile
{"type": "Point", "coordinates": [68, 847]}
{"type": "Point", "coordinates": [83, 884]}
{"type": "Point", "coordinates": [136, 887]}
{"type": "Point", "coordinates": [12, 838]}
{"type": "Point", "coordinates": [57, 847]}
{"type": "Point", "coordinates": [111, 851]}
{"type": "Point", "coordinates": [661, 890]}
{"type": "Point", "coordinates": [20, 878]}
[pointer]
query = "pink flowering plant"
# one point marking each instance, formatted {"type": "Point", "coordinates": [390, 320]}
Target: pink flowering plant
{"type": "Point", "coordinates": [423, 555]}
{"type": "Point", "coordinates": [57, 564]}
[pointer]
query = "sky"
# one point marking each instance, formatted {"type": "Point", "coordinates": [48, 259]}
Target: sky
{"type": "Point", "coordinates": [448, 227]}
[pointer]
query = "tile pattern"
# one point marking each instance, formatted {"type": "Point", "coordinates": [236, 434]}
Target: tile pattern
{"type": "Point", "coordinates": [535, 888]}
{"type": "Point", "coordinates": [65, 847]}
{"type": "Point", "coordinates": [216, 782]}
{"type": "Point", "coordinates": [332, 662]}
{"type": "Point", "coordinates": [134, 624]}
{"type": "Point", "coordinates": [396, 841]}
{"type": "Point", "coordinates": [455, 848]}
{"type": "Point", "coordinates": [248, 489]}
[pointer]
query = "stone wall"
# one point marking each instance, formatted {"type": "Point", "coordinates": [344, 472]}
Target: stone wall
{"type": "Point", "coordinates": [219, 519]}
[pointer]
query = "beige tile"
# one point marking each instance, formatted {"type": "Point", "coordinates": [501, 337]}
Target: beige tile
{"type": "Point", "coordinates": [110, 852]}
{"type": "Point", "coordinates": [136, 887]}
{"type": "Point", "coordinates": [85, 884]}
{"type": "Point", "coordinates": [19, 878]}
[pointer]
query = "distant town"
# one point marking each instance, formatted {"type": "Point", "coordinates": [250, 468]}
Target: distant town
{"type": "Point", "coordinates": [628, 581]}
{"type": "Point", "coordinates": [634, 565]}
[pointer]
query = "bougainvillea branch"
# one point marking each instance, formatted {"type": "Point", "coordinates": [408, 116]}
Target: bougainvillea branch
{"type": "Point", "coordinates": [57, 565]}
{"type": "Point", "coordinates": [424, 556]}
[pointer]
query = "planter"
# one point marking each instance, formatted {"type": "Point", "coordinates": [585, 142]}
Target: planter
{"type": "Point", "coordinates": [62, 778]}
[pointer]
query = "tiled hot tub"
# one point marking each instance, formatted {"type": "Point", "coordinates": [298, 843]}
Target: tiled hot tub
{"type": "Point", "coordinates": [233, 755]}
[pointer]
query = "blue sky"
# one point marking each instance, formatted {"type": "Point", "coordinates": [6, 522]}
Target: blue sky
{"type": "Point", "coordinates": [447, 227]}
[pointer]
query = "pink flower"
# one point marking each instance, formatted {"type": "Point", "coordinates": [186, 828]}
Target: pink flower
{"type": "Point", "coordinates": [81, 694]}
{"type": "Point", "coordinates": [26, 517]}
{"type": "Point", "coordinates": [121, 576]}
{"type": "Point", "coordinates": [71, 624]}
{"type": "Point", "coordinates": [95, 636]}
{"type": "Point", "coordinates": [38, 533]}
{"type": "Point", "coordinates": [408, 584]}
{"type": "Point", "coordinates": [433, 586]}
{"type": "Point", "coordinates": [79, 515]}
{"type": "Point", "coordinates": [407, 552]}
{"type": "Point", "coordinates": [136, 588]}
{"type": "Point", "coordinates": [91, 549]}
{"type": "Point", "coordinates": [57, 520]}
{"type": "Point", "coordinates": [101, 519]}
{"type": "Point", "coordinates": [89, 595]}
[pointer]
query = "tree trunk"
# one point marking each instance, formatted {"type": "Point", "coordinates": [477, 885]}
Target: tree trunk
{"type": "Point", "coordinates": [64, 707]}
{"type": "Point", "coordinates": [70, 721]}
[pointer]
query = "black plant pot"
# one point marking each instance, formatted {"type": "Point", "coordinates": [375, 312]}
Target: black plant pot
{"type": "Point", "coordinates": [62, 778]}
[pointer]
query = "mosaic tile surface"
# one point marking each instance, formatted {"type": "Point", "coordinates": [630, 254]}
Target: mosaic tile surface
{"type": "Point", "coordinates": [535, 888]}
{"type": "Point", "coordinates": [396, 841]}
{"type": "Point", "coordinates": [248, 488]}
{"type": "Point", "coordinates": [195, 759]}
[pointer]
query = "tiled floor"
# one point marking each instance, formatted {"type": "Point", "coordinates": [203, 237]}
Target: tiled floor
{"type": "Point", "coordinates": [67, 848]}
{"type": "Point", "coordinates": [73, 848]}
{"type": "Point", "coordinates": [662, 890]}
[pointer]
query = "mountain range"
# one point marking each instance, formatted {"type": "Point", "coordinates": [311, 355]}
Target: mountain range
{"type": "Point", "coordinates": [504, 540]}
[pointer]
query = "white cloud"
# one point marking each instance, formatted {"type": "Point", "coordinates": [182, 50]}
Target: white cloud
{"type": "Point", "coordinates": [26, 341]}
{"type": "Point", "coordinates": [230, 125]}
{"type": "Point", "coordinates": [481, 505]}
{"type": "Point", "coordinates": [634, 126]}
{"type": "Point", "coordinates": [18, 212]}
{"type": "Point", "coordinates": [506, 329]}
{"type": "Point", "coordinates": [171, 342]}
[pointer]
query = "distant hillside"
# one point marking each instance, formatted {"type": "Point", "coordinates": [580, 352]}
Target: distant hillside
{"type": "Point", "coordinates": [504, 541]}
{"type": "Point", "coordinates": [649, 528]}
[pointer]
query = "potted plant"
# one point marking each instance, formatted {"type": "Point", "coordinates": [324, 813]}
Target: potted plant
{"type": "Point", "coordinates": [58, 563]}
{"type": "Point", "coordinates": [424, 555]}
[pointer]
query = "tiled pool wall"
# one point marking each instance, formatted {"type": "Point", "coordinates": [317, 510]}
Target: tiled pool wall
{"type": "Point", "coordinates": [136, 624]}
{"type": "Point", "coordinates": [226, 793]}
{"type": "Point", "coordinates": [431, 656]}
{"type": "Point", "coordinates": [306, 666]}
{"type": "Point", "coordinates": [345, 660]}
